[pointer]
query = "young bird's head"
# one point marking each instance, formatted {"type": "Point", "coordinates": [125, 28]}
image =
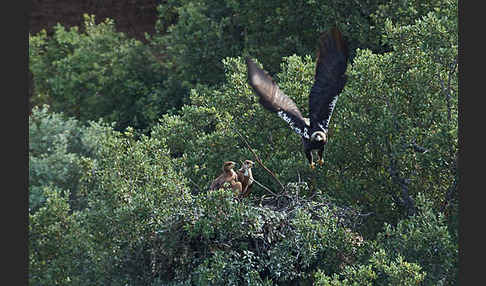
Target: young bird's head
{"type": "Point", "coordinates": [228, 165]}
{"type": "Point", "coordinates": [248, 164]}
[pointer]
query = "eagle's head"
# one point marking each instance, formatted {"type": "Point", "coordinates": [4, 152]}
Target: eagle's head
{"type": "Point", "coordinates": [319, 136]}
{"type": "Point", "coordinates": [246, 167]}
{"type": "Point", "coordinates": [248, 164]}
{"type": "Point", "coordinates": [228, 165]}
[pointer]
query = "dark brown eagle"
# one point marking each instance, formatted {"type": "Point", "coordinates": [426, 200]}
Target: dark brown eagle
{"type": "Point", "coordinates": [329, 81]}
{"type": "Point", "coordinates": [228, 179]}
{"type": "Point", "coordinates": [245, 176]}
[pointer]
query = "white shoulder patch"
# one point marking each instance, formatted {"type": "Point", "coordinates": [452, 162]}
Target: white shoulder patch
{"type": "Point", "coordinates": [304, 133]}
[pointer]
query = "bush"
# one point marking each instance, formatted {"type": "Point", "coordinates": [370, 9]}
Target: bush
{"type": "Point", "coordinates": [57, 146]}
{"type": "Point", "coordinates": [98, 73]}
{"type": "Point", "coordinates": [132, 193]}
{"type": "Point", "coordinates": [424, 239]}
{"type": "Point", "coordinates": [418, 251]}
{"type": "Point", "coordinates": [393, 133]}
{"type": "Point", "coordinates": [397, 120]}
{"type": "Point", "coordinates": [223, 241]}
{"type": "Point", "coordinates": [199, 34]}
{"type": "Point", "coordinates": [123, 208]}
{"type": "Point", "coordinates": [61, 252]}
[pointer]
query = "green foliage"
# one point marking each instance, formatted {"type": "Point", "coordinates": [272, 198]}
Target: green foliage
{"type": "Point", "coordinates": [194, 34]}
{"type": "Point", "coordinates": [225, 241]}
{"type": "Point", "coordinates": [111, 206]}
{"type": "Point", "coordinates": [418, 251]}
{"type": "Point", "coordinates": [405, 13]}
{"type": "Point", "coordinates": [52, 154]}
{"type": "Point", "coordinates": [393, 103]}
{"type": "Point", "coordinates": [313, 244]}
{"type": "Point", "coordinates": [381, 271]}
{"type": "Point", "coordinates": [230, 268]}
{"type": "Point", "coordinates": [98, 73]}
{"type": "Point", "coordinates": [132, 192]}
{"type": "Point", "coordinates": [57, 146]}
{"type": "Point", "coordinates": [425, 240]}
{"type": "Point", "coordinates": [47, 241]}
{"type": "Point", "coordinates": [60, 249]}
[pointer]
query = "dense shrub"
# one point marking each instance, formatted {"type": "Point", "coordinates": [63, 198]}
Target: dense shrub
{"type": "Point", "coordinates": [109, 205]}
{"type": "Point", "coordinates": [194, 34]}
{"type": "Point", "coordinates": [223, 241]}
{"type": "Point", "coordinates": [97, 73]}
{"type": "Point", "coordinates": [57, 146]}
{"type": "Point", "coordinates": [132, 192]}
{"type": "Point", "coordinates": [418, 251]}
{"type": "Point", "coordinates": [61, 252]}
{"type": "Point", "coordinates": [393, 134]}
{"type": "Point", "coordinates": [395, 126]}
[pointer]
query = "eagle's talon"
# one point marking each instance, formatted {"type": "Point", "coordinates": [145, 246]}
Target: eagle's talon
{"type": "Point", "coordinates": [321, 162]}
{"type": "Point", "coordinates": [312, 166]}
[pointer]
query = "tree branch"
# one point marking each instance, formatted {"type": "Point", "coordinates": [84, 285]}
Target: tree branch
{"type": "Point", "coordinates": [447, 91]}
{"type": "Point", "coordinates": [263, 187]}
{"type": "Point", "coordinates": [406, 200]}
{"type": "Point", "coordinates": [259, 161]}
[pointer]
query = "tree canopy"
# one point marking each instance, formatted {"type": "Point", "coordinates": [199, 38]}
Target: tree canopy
{"type": "Point", "coordinates": [126, 137]}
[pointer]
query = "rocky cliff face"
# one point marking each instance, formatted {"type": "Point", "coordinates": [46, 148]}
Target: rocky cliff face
{"type": "Point", "coordinates": [133, 17]}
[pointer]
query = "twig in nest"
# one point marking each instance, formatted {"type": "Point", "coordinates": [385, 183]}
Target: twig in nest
{"type": "Point", "coordinates": [258, 159]}
{"type": "Point", "coordinates": [263, 187]}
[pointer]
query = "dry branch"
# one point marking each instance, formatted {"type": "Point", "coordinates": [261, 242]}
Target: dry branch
{"type": "Point", "coordinates": [259, 161]}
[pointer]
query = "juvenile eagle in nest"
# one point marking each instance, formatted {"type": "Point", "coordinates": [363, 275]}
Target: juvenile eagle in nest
{"type": "Point", "coordinates": [245, 176]}
{"type": "Point", "coordinates": [227, 179]}
{"type": "Point", "coordinates": [329, 81]}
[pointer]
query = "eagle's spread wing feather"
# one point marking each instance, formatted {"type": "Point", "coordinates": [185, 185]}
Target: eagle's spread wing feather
{"type": "Point", "coordinates": [273, 99]}
{"type": "Point", "coordinates": [329, 79]}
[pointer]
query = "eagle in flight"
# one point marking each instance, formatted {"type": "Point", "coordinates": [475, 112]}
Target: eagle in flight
{"type": "Point", "coordinates": [329, 80]}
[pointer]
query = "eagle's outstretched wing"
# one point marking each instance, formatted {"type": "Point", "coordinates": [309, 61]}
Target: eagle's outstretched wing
{"type": "Point", "coordinates": [273, 99]}
{"type": "Point", "coordinates": [329, 79]}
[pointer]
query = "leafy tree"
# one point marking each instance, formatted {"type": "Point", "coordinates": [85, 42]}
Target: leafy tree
{"type": "Point", "coordinates": [418, 251]}
{"type": "Point", "coordinates": [132, 193]}
{"type": "Point", "coordinates": [381, 211]}
{"type": "Point", "coordinates": [98, 73]}
{"type": "Point", "coordinates": [57, 146]}
{"type": "Point", "coordinates": [61, 252]}
{"type": "Point", "coordinates": [382, 270]}
{"type": "Point", "coordinates": [397, 119]}
{"type": "Point", "coordinates": [195, 34]}
{"type": "Point", "coordinates": [424, 239]}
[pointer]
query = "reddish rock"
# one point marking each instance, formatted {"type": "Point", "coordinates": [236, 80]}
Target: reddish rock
{"type": "Point", "coordinates": [133, 17]}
